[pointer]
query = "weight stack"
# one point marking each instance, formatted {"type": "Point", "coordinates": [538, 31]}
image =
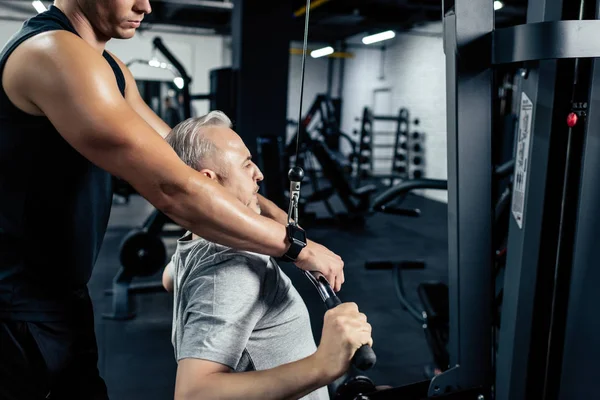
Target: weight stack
{"type": "Point", "coordinates": [270, 160]}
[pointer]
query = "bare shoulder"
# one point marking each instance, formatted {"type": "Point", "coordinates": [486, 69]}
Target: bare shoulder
{"type": "Point", "coordinates": [67, 51]}
{"type": "Point", "coordinates": [53, 44]}
{"type": "Point", "coordinates": [58, 54]}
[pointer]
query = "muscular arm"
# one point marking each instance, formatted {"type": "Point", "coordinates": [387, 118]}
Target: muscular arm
{"type": "Point", "coordinates": [76, 91]}
{"type": "Point", "coordinates": [270, 210]}
{"type": "Point", "coordinates": [206, 380]}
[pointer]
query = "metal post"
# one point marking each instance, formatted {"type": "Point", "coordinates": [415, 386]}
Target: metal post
{"type": "Point", "coordinates": [330, 67]}
{"type": "Point", "coordinates": [549, 242]}
{"type": "Point", "coordinates": [540, 233]}
{"type": "Point", "coordinates": [341, 74]}
{"type": "Point", "coordinates": [468, 27]}
{"type": "Point", "coordinates": [261, 67]}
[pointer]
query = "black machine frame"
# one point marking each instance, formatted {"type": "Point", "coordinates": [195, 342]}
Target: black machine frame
{"type": "Point", "coordinates": [547, 341]}
{"type": "Point", "coordinates": [545, 238]}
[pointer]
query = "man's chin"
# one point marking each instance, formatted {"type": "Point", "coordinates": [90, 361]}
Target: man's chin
{"type": "Point", "coordinates": [124, 33]}
{"type": "Point", "coordinates": [125, 36]}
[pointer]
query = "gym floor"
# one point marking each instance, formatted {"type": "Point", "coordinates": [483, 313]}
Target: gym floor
{"type": "Point", "coordinates": [136, 356]}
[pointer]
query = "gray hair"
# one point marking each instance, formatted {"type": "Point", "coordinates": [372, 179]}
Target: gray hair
{"type": "Point", "coordinates": [192, 147]}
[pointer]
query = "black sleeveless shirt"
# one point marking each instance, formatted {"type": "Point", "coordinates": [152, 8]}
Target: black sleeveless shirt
{"type": "Point", "coordinates": [54, 203]}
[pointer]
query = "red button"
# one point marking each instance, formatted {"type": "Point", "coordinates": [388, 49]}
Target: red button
{"type": "Point", "coordinates": [572, 120]}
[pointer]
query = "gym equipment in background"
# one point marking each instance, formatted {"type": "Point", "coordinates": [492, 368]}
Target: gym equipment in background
{"type": "Point", "coordinates": [318, 130]}
{"type": "Point", "coordinates": [322, 123]}
{"type": "Point", "coordinates": [433, 313]}
{"type": "Point", "coordinates": [405, 153]}
{"type": "Point", "coordinates": [142, 254]}
{"type": "Point", "coordinates": [546, 345]}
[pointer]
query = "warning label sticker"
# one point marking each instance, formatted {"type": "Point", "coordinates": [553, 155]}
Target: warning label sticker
{"type": "Point", "coordinates": [522, 159]}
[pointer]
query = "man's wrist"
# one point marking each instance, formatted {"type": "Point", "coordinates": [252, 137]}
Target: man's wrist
{"type": "Point", "coordinates": [318, 374]}
{"type": "Point", "coordinates": [296, 236]}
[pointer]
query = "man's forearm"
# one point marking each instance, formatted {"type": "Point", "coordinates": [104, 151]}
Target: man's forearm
{"type": "Point", "coordinates": [288, 381]}
{"type": "Point", "coordinates": [270, 210]}
{"type": "Point", "coordinates": [205, 208]}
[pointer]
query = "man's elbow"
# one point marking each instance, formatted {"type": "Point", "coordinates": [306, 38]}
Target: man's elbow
{"type": "Point", "coordinates": [182, 394]}
{"type": "Point", "coordinates": [195, 392]}
{"type": "Point", "coordinates": [167, 279]}
{"type": "Point", "coordinates": [168, 198]}
{"type": "Point", "coordinates": [179, 200]}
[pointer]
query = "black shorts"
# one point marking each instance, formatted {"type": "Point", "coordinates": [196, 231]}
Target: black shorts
{"type": "Point", "coordinates": [51, 360]}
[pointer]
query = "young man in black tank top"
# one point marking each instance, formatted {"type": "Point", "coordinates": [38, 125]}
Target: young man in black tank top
{"type": "Point", "coordinates": [71, 115]}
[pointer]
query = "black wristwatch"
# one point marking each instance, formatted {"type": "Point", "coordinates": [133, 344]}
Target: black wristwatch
{"type": "Point", "coordinates": [297, 239]}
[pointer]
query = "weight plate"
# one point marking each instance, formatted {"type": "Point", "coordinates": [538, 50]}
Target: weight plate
{"type": "Point", "coordinates": [142, 254]}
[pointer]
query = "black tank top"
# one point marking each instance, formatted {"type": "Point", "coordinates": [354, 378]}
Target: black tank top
{"type": "Point", "coordinates": [54, 203]}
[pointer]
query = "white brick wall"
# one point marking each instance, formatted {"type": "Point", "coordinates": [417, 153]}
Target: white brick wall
{"type": "Point", "coordinates": [414, 71]}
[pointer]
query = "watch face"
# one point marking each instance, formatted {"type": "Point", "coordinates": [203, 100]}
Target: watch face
{"type": "Point", "coordinates": [299, 235]}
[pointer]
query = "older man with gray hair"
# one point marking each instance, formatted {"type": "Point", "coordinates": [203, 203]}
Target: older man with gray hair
{"type": "Point", "coordinates": [237, 311]}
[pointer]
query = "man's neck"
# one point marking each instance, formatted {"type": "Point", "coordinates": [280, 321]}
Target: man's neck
{"type": "Point", "coordinates": [82, 25]}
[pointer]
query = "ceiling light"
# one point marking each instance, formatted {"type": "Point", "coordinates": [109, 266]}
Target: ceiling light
{"type": "Point", "coordinates": [325, 51]}
{"type": "Point", "coordinates": [179, 82]}
{"type": "Point", "coordinates": [39, 6]}
{"type": "Point", "coordinates": [498, 5]}
{"type": "Point", "coordinates": [378, 37]}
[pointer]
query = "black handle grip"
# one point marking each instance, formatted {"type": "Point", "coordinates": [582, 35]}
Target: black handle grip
{"type": "Point", "coordinates": [364, 358]}
{"type": "Point", "coordinates": [333, 301]}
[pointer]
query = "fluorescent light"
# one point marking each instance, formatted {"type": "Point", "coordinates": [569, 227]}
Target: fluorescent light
{"type": "Point", "coordinates": [325, 51]}
{"type": "Point", "coordinates": [39, 6]}
{"type": "Point", "coordinates": [498, 5]}
{"type": "Point", "coordinates": [178, 82]}
{"type": "Point", "coordinates": [154, 63]}
{"type": "Point", "coordinates": [378, 37]}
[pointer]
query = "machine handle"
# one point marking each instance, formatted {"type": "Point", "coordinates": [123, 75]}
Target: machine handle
{"type": "Point", "coordinates": [365, 357]}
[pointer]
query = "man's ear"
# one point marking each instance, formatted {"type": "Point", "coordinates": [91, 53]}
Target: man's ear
{"type": "Point", "coordinates": [209, 173]}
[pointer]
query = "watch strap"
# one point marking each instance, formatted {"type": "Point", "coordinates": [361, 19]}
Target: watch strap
{"type": "Point", "coordinates": [293, 252]}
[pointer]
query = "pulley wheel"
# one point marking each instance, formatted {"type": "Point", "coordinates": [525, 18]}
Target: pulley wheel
{"type": "Point", "coordinates": [354, 387]}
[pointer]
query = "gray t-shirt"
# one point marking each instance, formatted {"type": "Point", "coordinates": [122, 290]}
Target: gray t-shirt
{"type": "Point", "coordinates": [237, 308]}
